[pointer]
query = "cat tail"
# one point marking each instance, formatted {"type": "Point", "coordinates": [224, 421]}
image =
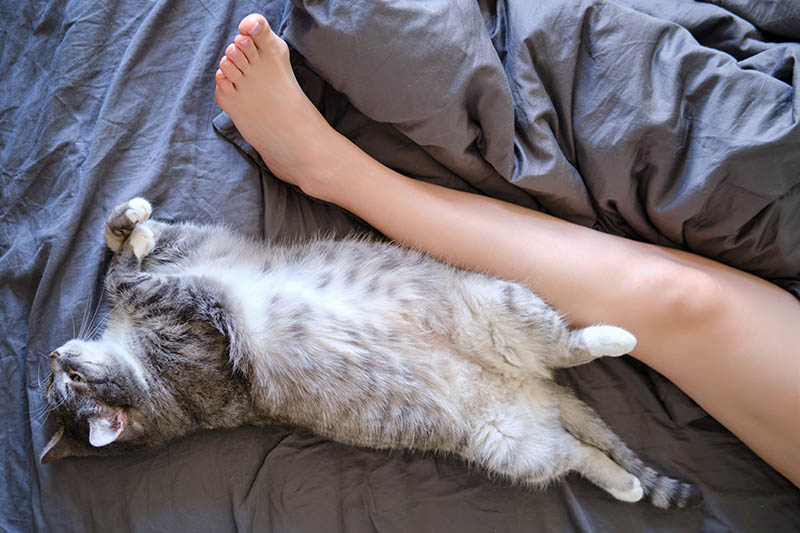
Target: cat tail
{"type": "Point", "coordinates": [583, 423]}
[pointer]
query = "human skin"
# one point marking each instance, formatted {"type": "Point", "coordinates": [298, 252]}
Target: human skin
{"type": "Point", "coordinates": [723, 336]}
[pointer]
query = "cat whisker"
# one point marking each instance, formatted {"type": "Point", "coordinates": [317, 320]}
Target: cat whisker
{"type": "Point", "coordinates": [39, 368]}
{"type": "Point", "coordinates": [97, 325]}
{"type": "Point", "coordinates": [84, 326]}
{"type": "Point", "coordinates": [96, 328]}
{"type": "Point", "coordinates": [39, 372]}
{"type": "Point", "coordinates": [39, 413]}
{"type": "Point", "coordinates": [39, 418]}
{"type": "Point", "coordinates": [93, 326]}
{"type": "Point", "coordinates": [84, 318]}
{"type": "Point", "coordinates": [47, 378]}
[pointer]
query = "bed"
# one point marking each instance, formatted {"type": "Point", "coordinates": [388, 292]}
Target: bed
{"type": "Point", "coordinates": [671, 122]}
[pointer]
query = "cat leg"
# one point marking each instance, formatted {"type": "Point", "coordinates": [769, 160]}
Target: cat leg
{"type": "Point", "coordinates": [506, 325]}
{"type": "Point", "coordinates": [598, 468]}
{"type": "Point", "coordinates": [131, 241]}
{"type": "Point", "coordinates": [123, 219]}
{"type": "Point", "coordinates": [547, 339]}
{"type": "Point", "coordinates": [537, 452]}
{"type": "Point", "coordinates": [587, 344]}
{"type": "Point", "coordinates": [125, 272]}
{"type": "Point", "coordinates": [583, 423]}
{"type": "Point", "coordinates": [526, 446]}
{"type": "Point", "coordinates": [142, 241]}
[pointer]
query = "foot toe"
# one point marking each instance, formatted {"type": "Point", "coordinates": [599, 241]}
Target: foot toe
{"type": "Point", "coordinates": [223, 84]}
{"type": "Point", "coordinates": [246, 47]}
{"type": "Point", "coordinates": [257, 28]}
{"type": "Point", "coordinates": [230, 70]}
{"type": "Point", "coordinates": [233, 54]}
{"type": "Point", "coordinates": [253, 24]}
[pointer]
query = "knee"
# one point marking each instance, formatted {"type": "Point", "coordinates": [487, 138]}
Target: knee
{"type": "Point", "coordinates": [671, 291]}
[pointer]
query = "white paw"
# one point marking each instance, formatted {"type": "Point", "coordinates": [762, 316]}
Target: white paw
{"type": "Point", "coordinates": [631, 495]}
{"type": "Point", "coordinates": [142, 241]}
{"type": "Point", "coordinates": [607, 341]}
{"type": "Point", "coordinates": [138, 210]}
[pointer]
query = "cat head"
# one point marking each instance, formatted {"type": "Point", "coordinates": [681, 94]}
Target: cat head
{"type": "Point", "coordinates": [98, 390]}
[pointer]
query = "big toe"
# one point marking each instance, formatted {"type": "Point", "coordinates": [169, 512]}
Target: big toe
{"type": "Point", "coordinates": [257, 28]}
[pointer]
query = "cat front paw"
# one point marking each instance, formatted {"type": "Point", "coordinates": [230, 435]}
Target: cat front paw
{"type": "Point", "coordinates": [142, 241]}
{"type": "Point", "coordinates": [123, 219]}
{"type": "Point", "coordinates": [139, 210]}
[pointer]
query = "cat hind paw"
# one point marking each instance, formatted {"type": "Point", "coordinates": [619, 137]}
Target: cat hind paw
{"type": "Point", "coordinates": [632, 494]}
{"type": "Point", "coordinates": [609, 341]}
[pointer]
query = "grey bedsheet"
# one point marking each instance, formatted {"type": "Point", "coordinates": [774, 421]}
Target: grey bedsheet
{"type": "Point", "coordinates": [670, 122]}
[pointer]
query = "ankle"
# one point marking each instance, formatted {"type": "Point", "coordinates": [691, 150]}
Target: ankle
{"type": "Point", "coordinates": [327, 167]}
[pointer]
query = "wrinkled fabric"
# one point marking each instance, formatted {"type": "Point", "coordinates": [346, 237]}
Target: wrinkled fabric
{"type": "Point", "coordinates": [674, 123]}
{"type": "Point", "coordinates": [670, 122]}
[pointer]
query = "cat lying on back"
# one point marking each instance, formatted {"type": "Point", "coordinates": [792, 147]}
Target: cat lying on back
{"type": "Point", "coordinates": [367, 343]}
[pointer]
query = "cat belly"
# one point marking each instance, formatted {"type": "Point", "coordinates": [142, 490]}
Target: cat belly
{"type": "Point", "coordinates": [396, 400]}
{"type": "Point", "coordinates": [358, 370]}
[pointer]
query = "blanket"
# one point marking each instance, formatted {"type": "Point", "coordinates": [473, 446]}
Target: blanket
{"type": "Point", "coordinates": [672, 122]}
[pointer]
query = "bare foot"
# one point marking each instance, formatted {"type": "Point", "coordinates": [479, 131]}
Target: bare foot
{"type": "Point", "coordinates": [258, 90]}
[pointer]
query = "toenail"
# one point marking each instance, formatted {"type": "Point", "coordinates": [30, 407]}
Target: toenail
{"type": "Point", "coordinates": [255, 29]}
{"type": "Point", "coordinates": [233, 52]}
{"type": "Point", "coordinates": [245, 41]}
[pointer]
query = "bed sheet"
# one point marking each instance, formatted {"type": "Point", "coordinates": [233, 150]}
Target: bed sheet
{"type": "Point", "coordinates": [525, 101]}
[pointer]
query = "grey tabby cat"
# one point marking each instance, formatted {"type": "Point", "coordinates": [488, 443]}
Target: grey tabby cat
{"type": "Point", "coordinates": [363, 342]}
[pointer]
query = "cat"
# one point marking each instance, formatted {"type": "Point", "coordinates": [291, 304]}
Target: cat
{"type": "Point", "coordinates": [361, 341]}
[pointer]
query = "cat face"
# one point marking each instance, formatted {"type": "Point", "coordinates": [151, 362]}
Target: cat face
{"type": "Point", "coordinates": [95, 388]}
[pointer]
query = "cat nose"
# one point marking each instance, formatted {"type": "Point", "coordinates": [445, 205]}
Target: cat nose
{"type": "Point", "coordinates": [52, 359]}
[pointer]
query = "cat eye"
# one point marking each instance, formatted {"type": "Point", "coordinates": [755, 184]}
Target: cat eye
{"type": "Point", "coordinates": [75, 377]}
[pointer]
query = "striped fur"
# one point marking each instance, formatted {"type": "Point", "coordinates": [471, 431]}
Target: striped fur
{"type": "Point", "coordinates": [360, 341]}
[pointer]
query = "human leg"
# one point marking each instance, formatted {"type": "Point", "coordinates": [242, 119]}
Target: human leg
{"type": "Point", "coordinates": [723, 336]}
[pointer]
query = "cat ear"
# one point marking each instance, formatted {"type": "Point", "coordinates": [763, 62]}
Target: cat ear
{"type": "Point", "coordinates": [60, 446]}
{"type": "Point", "coordinates": [107, 427]}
